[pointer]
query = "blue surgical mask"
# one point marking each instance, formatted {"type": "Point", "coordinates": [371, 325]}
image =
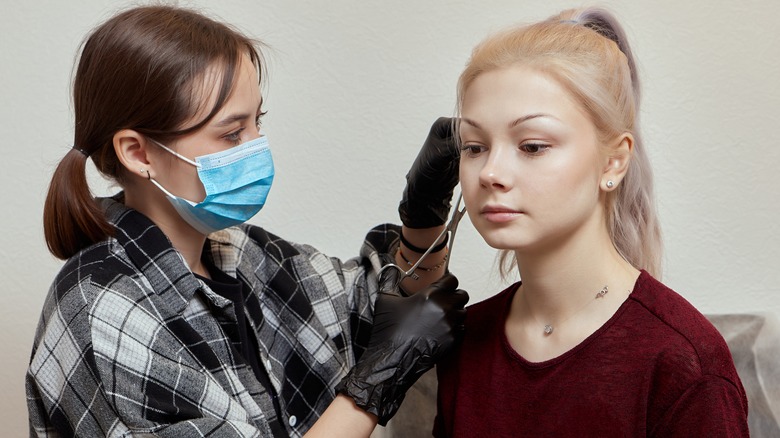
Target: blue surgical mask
{"type": "Point", "coordinates": [237, 182]}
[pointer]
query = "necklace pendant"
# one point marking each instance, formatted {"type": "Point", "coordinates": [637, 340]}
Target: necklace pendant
{"type": "Point", "coordinates": [548, 329]}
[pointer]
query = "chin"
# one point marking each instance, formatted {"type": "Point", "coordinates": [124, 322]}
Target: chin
{"type": "Point", "coordinates": [503, 240]}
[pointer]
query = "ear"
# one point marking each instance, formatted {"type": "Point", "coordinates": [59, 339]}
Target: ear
{"type": "Point", "coordinates": [131, 149]}
{"type": "Point", "coordinates": [617, 162]}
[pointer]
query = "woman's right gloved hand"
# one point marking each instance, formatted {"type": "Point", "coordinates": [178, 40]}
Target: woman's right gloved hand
{"type": "Point", "coordinates": [409, 335]}
{"type": "Point", "coordinates": [432, 178]}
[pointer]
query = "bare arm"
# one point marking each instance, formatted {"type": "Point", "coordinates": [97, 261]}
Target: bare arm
{"type": "Point", "coordinates": [343, 419]}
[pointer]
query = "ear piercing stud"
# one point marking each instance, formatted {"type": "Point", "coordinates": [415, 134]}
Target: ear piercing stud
{"type": "Point", "coordinates": [148, 176]}
{"type": "Point", "coordinates": [610, 184]}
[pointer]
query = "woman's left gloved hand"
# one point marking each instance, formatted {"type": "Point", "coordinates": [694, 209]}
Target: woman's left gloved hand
{"type": "Point", "coordinates": [408, 336]}
{"type": "Point", "coordinates": [432, 178]}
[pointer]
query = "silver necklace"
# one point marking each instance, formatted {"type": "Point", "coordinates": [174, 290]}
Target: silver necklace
{"type": "Point", "coordinates": [548, 328]}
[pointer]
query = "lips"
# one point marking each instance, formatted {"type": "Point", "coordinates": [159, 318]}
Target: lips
{"type": "Point", "coordinates": [499, 213]}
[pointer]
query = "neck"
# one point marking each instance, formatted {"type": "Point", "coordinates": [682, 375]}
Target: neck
{"type": "Point", "coordinates": [185, 239]}
{"type": "Point", "coordinates": [559, 281]}
{"type": "Point", "coordinates": [189, 243]}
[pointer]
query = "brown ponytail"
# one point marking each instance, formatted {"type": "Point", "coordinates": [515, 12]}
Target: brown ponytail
{"type": "Point", "coordinates": [136, 71]}
{"type": "Point", "coordinates": [72, 219]}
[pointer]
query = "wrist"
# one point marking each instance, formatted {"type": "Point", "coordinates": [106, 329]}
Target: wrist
{"type": "Point", "coordinates": [434, 247]}
{"type": "Point", "coordinates": [433, 268]}
{"type": "Point", "coordinates": [422, 238]}
{"type": "Point", "coordinates": [366, 395]}
{"type": "Point", "coordinates": [343, 418]}
{"type": "Point", "coordinates": [430, 270]}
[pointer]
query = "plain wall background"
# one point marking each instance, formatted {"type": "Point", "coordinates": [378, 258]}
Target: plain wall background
{"type": "Point", "coordinates": [354, 88]}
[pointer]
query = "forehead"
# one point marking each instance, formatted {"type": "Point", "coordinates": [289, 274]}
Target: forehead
{"type": "Point", "coordinates": [206, 89]}
{"type": "Point", "coordinates": [518, 88]}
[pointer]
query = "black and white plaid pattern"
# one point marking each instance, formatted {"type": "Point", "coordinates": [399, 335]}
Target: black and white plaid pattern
{"type": "Point", "coordinates": [130, 342]}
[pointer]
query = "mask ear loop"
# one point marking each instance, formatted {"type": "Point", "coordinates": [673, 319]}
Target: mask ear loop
{"type": "Point", "coordinates": [159, 186]}
{"type": "Point", "coordinates": [175, 153]}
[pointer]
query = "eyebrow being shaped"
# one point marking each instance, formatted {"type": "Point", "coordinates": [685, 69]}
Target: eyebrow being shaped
{"type": "Point", "coordinates": [512, 124]}
{"type": "Point", "coordinates": [237, 117]}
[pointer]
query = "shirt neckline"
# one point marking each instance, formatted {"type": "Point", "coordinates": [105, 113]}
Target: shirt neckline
{"type": "Point", "coordinates": [515, 356]}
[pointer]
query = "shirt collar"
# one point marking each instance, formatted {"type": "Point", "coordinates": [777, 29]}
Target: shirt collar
{"type": "Point", "coordinates": [150, 251]}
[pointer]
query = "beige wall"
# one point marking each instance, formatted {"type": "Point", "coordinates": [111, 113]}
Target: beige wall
{"type": "Point", "coordinates": [354, 87]}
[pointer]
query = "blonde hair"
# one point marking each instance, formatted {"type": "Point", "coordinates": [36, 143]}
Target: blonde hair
{"type": "Point", "coordinates": [586, 51]}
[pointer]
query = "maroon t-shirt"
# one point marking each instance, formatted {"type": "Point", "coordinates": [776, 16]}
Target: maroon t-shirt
{"type": "Point", "coordinates": [656, 368]}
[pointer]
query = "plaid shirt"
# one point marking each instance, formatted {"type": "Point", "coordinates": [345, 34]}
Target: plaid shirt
{"type": "Point", "coordinates": [130, 342]}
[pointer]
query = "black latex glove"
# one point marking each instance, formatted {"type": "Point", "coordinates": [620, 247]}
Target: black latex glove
{"type": "Point", "coordinates": [432, 178]}
{"type": "Point", "coordinates": [408, 336]}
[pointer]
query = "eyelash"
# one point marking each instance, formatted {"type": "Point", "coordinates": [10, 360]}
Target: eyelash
{"type": "Point", "coordinates": [540, 148]}
{"type": "Point", "coordinates": [258, 119]}
{"type": "Point", "coordinates": [469, 149]}
{"type": "Point", "coordinates": [235, 136]}
{"type": "Point", "coordinates": [473, 150]}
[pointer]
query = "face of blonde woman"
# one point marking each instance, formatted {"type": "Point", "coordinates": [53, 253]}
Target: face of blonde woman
{"type": "Point", "coordinates": [531, 165]}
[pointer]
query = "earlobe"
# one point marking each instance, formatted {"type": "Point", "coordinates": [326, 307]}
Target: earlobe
{"type": "Point", "coordinates": [618, 161]}
{"type": "Point", "coordinates": [131, 149]}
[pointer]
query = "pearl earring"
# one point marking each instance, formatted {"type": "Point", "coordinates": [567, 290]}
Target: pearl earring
{"type": "Point", "coordinates": [610, 184]}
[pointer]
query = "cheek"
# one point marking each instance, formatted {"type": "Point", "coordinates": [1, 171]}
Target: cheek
{"type": "Point", "coordinates": [198, 191]}
{"type": "Point", "coordinates": [466, 172]}
{"type": "Point", "coordinates": [186, 181]}
{"type": "Point", "coordinates": [468, 175]}
{"type": "Point", "coordinates": [470, 189]}
{"type": "Point", "coordinates": [570, 174]}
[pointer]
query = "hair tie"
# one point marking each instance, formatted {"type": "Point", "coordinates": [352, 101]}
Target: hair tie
{"type": "Point", "coordinates": [84, 152]}
{"type": "Point", "coordinates": [600, 27]}
{"type": "Point", "coordinates": [603, 29]}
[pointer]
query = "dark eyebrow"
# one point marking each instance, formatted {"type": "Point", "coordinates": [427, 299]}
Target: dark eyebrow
{"type": "Point", "coordinates": [237, 117]}
{"type": "Point", "coordinates": [511, 125]}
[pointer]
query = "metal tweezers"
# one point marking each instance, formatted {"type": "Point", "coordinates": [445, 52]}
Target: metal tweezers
{"type": "Point", "coordinates": [451, 228]}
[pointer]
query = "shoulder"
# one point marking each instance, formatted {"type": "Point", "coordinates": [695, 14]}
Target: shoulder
{"type": "Point", "coordinates": [710, 407]}
{"type": "Point", "coordinates": [498, 300]}
{"type": "Point", "coordinates": [76, 293]}
{"type": "Point", "coordinates": [97, 267]}
{"type": "Point", "coordinates": [487, 312]}
{"type": "Point", "coordinates": [688, 345]}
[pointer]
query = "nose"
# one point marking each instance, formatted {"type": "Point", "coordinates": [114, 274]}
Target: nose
{"type": "Point", "coordinates": [496, 173]}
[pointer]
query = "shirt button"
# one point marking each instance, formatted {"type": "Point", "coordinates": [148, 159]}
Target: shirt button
{"type": "Point", "coordinates": [292, 421]}
{"type": "Point", "coordinates": [268, 364]}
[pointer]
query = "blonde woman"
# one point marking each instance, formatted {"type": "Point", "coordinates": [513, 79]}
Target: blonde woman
{"type": "Point", "coordinates": [555, 174]}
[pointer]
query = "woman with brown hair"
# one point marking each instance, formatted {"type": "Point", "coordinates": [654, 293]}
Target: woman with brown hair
{"type": "Point", "coordinates": [171, 316]}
